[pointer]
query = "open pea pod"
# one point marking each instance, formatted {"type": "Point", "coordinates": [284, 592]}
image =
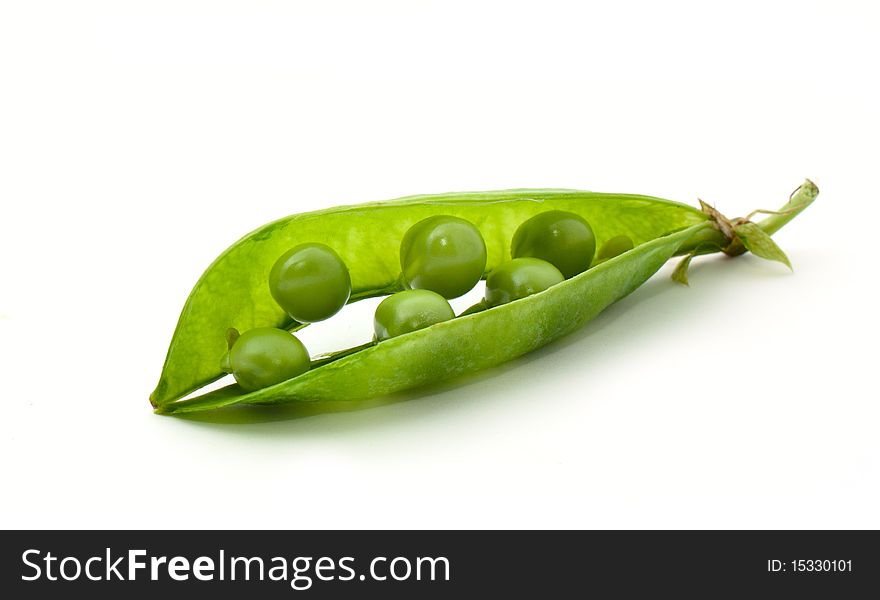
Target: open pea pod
{"type": "Point", "coordinates": [233, 292]}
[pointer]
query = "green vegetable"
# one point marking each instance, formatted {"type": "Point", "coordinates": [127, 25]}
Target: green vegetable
{"type": "Point", "coordinates": [519, 278]}
{"type": "Point", "coordinates": [614, 247]}
{"type": "Point", "coordinates": [232, 292]}
{"type": "Point", "coordinates": [444, 254]}
{"type": "Point", "coordinates": [562, 238]}
{"type": "Point", "coordinates": [410, 310]}
{"type": "Point", "coordinates": [310, 282]}
{"type": "Point", "coordinates": [265, 356]}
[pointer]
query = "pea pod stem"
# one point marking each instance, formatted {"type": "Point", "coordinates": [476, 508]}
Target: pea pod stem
{"type": "Point", "coordinates": [800, 199]}
{"type": "Point", "coordinates": [724, 238]}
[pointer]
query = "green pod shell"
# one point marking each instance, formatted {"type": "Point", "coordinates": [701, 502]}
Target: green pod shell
{"type": "Point", "coordinates": [465, 344]}
{"type": "Point", "coordinates": [233, 293]}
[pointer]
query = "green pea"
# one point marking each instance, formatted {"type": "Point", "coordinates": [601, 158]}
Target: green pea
{"type": "Point", "coordinates": [519, 278]}
{"type": "Point", "coordinates": [410, 310]}
{"type": "Point", "coordinates": [443, 254]}
{"type": "Point", "coordinates": [614, 247]}
{"type": "Point", "coordinates": [265, 356]}
{"type": "Point", "coordinates": [310, 282]}
{"type": "Point", "coordinates": [562, 238]}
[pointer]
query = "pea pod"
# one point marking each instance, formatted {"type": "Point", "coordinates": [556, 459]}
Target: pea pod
{"type": "Point", "coordinates": [233, 291]}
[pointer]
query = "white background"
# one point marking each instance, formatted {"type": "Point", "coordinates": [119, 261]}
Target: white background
{"type": "Point", "coordinates": [139, 139]}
